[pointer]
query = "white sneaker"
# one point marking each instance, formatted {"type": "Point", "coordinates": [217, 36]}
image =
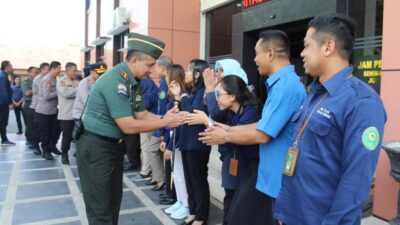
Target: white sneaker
{"type": "Point", "coordinates": [181, 213]}
{"type": "Point", "coordinates": [177, 205]}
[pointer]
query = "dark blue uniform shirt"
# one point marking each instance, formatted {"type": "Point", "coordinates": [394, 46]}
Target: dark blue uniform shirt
{"type": "Point", "coordinates": [189, 135]}
{"type": "Point", "coordinates": [5, 89]}
{"type": "Point", "coordinates": [149, 93]}
{"type": "Point", "coordinates": [228, 151]}
{"type": "Point", "coordinates": [162, 101]}
{"type": "Point", "coordinates": [17, 93]}
{"type": "Point", "coordinates": [338, 153]}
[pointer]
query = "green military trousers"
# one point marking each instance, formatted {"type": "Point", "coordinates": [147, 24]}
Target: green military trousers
{"type": "Point", "coordinates": [100, 166]}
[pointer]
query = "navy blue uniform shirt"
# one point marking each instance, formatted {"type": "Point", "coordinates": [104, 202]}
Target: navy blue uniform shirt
{"type": "Point", "coordinates": [228, 151]}
{"type": "Point", "coordinates": [149, 93]}
{"type": "Point", "coordinates": [17, 93]}
{"type": "Point", "coordinates": [338, 153]}
{"type": "Point", "coordinates": [5, 89]}
{"type": "Point", "coordinates": [189, 135]}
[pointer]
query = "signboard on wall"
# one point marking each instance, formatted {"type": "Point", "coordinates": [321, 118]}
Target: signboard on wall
{"type": "Point", "coordinates": [250, 3]}
{"type": "Point", "coordinates": [368, 69]}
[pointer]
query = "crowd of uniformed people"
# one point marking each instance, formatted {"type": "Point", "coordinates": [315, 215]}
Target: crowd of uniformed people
{"type": "Point", "coordinates": [298, 158]}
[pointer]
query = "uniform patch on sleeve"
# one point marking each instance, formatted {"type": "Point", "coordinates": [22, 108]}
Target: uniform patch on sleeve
{"type": "Point", "coordinates": [162, 95]}
{"type": "Point", "coordinates": [370, 138]}
{"type": "Point", "coordinates": [122, 90]}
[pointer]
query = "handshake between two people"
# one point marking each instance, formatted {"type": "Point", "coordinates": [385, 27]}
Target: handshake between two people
{"type": "Point", "coordinates": [213, 135]}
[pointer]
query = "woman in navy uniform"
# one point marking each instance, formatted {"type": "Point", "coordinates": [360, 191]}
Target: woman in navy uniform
{"type": "Point", "coordinates": [195, 155]}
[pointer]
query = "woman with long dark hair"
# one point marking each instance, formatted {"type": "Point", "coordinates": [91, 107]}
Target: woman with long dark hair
{"type": "Point", "coordinates": [195, 154]}
{"type": "Point", "coordinates": [234, 104]}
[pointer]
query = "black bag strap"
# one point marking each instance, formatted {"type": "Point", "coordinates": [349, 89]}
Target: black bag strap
{"type": "Point", "coordinates": [84, 107]}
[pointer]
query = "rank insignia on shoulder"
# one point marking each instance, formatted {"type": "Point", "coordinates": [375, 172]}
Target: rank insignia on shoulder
{"type": "Point", "coordinates": [124, 75]}
{"type": "Point", "coordinates": [122, 90]}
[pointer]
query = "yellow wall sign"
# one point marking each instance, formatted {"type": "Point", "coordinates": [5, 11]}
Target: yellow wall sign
{"type": "Point", "coordinates": [368, 69]}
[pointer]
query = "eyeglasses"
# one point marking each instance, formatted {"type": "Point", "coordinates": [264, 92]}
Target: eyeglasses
{"type": "Point", "coordinates": [218, 94]}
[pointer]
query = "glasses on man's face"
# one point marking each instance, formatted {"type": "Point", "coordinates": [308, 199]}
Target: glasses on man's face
{"type": "Point", "coordinates": [218, 94]}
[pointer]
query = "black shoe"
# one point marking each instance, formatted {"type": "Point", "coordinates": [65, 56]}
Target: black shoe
{"type": "Point", "coordinates": [74, 154]}
{"type": "Point", "coordinates": [163, 196]}
{"type": "Point", "coordinates": [64, 159]}
{"type": "Point", "coordinates": [48, 156]}
{"type": "Point", "coordinates": [19, 132]}
{"type": "Point", "coordinates": [158, 188]}
{"type": "Point", "coordinates": [168, 201]}
{"type": "Point", "coordinates": [130, 166]}
{"type": "Point", "coordinates": [37, 151]}
{"type": "Point", "coordinates": [55, 151]}
{"type": "Point", "coordinates": [7, 143]}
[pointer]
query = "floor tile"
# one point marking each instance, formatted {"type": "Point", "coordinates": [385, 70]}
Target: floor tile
{"type": "Point", "coordinates": [3, 192]}
{"type": "Point", "coordinates": [78, 183]}
{"type": "Point", "coordinates": [31, 156]}
{"type": "Point", "coordinates": [140, 218]}
{"type": "Point", "coordinates": [75, 172]}
{"type": "Point", "coordinates": [130, 201]}
{"type": "Point", "coordinates": [153, 195]}
{"type": "Point", "coordinates": [43, 210]}
{"type": "Point", "coordinates": [7, 157]}
{"type": "Point", "coordinates": [27, 176]}
{"type": "Point", "coordinates": [42, 190]}
{"type": "Point", "coordinates": [40, 164]}
{"type": "Point", "coordinates": [4, 178]}
{"type": "Point", "coordinates": [7, 167]}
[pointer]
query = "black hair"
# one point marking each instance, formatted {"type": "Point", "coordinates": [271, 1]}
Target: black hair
{"type": "Point", "coordinates": [54, 64]}
{"type": "Point", "coordinates": [199, 65]}
{"type": "Point", "coordinates": [4, 64]}
{"type": "Point", "coordinates": [69, 65]}
{"type": "Point", "coordinates": [276, 39]}
{"type": "Point", "coordinates": [134, 53]}
{"type": "Point", "coordinates": [235, 85]}
{"type": "Point", "coordinates": [43, 65]}
{"type": "Point", "coordinates": [340, 27]}
{"type": "Point", "coordinates": [30, 69]}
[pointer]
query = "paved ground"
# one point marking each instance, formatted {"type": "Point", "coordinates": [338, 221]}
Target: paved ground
{"type": "Point", "coordinates": [38, 192]}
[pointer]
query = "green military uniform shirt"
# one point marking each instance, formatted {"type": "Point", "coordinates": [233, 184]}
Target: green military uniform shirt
{"type": "Point", "coordinates": [116, 94]}
{"type": "Point", "coordinates": [27, 86]}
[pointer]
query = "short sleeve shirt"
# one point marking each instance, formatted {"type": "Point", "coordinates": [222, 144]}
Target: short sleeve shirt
{"type": "Point", "coordinates": [115, 94]}
{"type": "Point", "coordinates": [285, 96]}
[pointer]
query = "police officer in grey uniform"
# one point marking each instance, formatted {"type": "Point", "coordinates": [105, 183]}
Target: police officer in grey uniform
{"type": "Point", "coordinates": [66, 88]}
{"type": "Point", "coordinates": [47, 112]}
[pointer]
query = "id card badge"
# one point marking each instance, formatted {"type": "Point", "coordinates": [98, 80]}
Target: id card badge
{"type": "Point", "coordinates": [233, 167]}
{"type": "Point", "coordinates": [291, 160]}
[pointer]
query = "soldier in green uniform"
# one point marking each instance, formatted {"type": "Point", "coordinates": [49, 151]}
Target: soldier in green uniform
{"type": "Point", "coordinates": [27, 112]}
{"type": "Point", "coordinates": [115, 107]}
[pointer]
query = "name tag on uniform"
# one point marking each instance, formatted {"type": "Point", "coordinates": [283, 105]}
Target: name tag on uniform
{"type": "Point", "coordinates": [291, 161]}
{"type": "Point", "coordinates": [233, 167]}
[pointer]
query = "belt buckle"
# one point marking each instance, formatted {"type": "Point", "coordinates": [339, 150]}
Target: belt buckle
{"type": "Point", "coordinates": [119, 141]}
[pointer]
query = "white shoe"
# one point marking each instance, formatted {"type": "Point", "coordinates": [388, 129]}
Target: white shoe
{"type": "Point", "coordinates": [181, 213]}
{"type": "Point", "coordinates": [177, 205]}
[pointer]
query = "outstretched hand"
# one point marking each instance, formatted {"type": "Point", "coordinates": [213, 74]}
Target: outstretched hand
{"type": "Point", "coordinates": [213, 136]}
{"type": "Point", "coordinates": [197, 117]}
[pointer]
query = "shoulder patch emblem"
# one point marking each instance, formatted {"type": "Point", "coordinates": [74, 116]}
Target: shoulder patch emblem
{"type": "Point", "coordinates": [124, 75]}
{"type": "Point", "coordinates": [370, 138]}
{"type": "Point", "coordinates": [122, 90]}
{"type": "Point", "coordinates": [162, 95]}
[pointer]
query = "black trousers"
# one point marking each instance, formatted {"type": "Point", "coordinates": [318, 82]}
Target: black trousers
{"type": "Point", "coordinates": [169, 189]}
{"type": "Point", "coordinates": [250, 206]}
{"type": "Point", "coordinates": [132, 148]}
{"type": "Point", "coordinates": [196, 173]}
{"type": "Point", "coordinates": [28, 115]}
{"type": "Point", "coordinates": [36, 133]}
{"type": "Point", "coordinates": [4, 113]}
{"type": "Point", "coordinates": [50, 131]}
{"type": "Point", "coordinates": [100, 166]}
{"type": "Point", "coordinates": [67, 126]}
{"type": "Point", "coordinates": [17, 112]}
{"type": "Point", "coordinates": [229, 193]}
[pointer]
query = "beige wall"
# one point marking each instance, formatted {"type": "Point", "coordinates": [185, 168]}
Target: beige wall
{"type": "Point", "coordinates": [177, 23]}
{"type": "Point", "coordinates": [385, 195]}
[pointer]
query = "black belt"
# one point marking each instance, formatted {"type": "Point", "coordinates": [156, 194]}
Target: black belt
{"type": "Point", "coordinates": [104, 138]}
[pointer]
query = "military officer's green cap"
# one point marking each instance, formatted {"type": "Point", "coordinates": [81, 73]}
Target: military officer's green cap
{"type": "Point", "coordinates": [145, 44]}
